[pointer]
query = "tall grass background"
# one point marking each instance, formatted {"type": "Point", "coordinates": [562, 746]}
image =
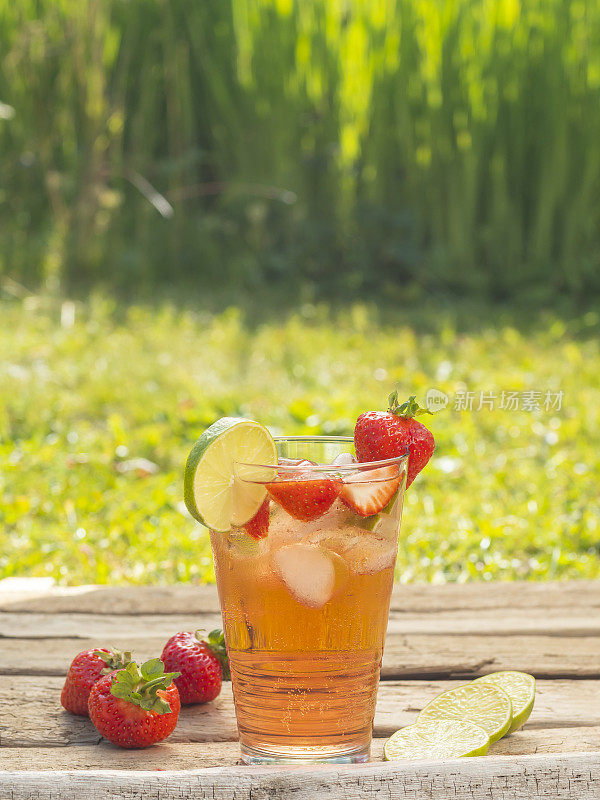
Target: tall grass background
{"type": "Point", "coordinates": [394, 146]}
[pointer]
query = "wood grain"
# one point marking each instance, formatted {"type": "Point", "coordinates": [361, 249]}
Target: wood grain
{"type": "Point", "coordinates": [195, 755]}
{"type": "Point", "coordinates": [442, 656]}
{"type": "Point", "coordinates": [25, 700]}
{"type": "Point", "coordinates": [555, 776]}
{"type": "Point", "coordinates": [538, 622]}
{"type": "Point", "coordinates": [435, 635]}
{"type": "Point", "coordinates": [582, 597]}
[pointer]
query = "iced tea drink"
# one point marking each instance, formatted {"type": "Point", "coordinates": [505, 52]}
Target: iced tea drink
{"type": "Point", "coordinates": [305, 606]}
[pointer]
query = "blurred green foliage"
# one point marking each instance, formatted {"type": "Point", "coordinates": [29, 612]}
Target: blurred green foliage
{"type": "Point", "coordinates": [393, 145]}
{"type": "Point", "coordinates": [99, 405]}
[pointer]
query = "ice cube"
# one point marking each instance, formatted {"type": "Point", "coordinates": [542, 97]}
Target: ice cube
{"type": "Point", "coordinates": [284, 529]}
{"type": "Point", "coordinates": [386, 526]}
{"type": "Point", "coordinates": [344, 460]}
{"type": "Point", "coordinates": [342, 573]}
{"type": "Point", "coordinates": [339, 541]}
{"type": "Point", "coordinates": [308, 572]}
{"type": "Point", "coordinates": [370, 554]}
{"type": "Point", "coordinates": [293, 469]}
{"type": "Point", "coordinates": [336, 517]}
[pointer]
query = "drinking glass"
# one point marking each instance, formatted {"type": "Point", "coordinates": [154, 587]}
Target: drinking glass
{"type": "Point", "coordinates": [305, 608]}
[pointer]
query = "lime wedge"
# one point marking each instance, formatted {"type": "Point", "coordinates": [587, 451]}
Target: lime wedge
{"type": "Point", "coordinates": [520, 687]}
{"type": "Point", "coordinates": [438, 738]}
{"type": "Point", "coordinates": [213, 494]}
{"type": "Point", "coordinates": [483, 704]}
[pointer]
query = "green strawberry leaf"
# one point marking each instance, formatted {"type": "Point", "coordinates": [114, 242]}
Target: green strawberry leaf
{"type": "Point", "coordinates": [152, 668]}
{"type": "Point", "coordinates": [408, 409]}
{"type": "Point", "coordinates": [216, 642]}
{"type": "Point", "coordinates": [140, 685]}
{"type": "Point", "coordinates": [121, 691]}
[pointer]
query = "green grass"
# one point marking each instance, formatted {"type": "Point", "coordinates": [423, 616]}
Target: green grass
{"type": "Point", "coordinates": [507, 495]}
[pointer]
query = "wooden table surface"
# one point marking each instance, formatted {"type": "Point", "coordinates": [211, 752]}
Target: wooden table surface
{"type": "Point", "coordinates": [438, 636]}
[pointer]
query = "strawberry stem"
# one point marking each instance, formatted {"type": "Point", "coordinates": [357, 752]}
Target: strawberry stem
{"type": "Point", "coordinates": [114, 659]}
{"type": "Point", "coordinates": [408, 409]}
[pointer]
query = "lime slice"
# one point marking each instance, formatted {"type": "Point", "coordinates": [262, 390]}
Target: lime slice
{"type": "Point", "coordinates": [438, 738]}
{"type": "Point", "coordinates": [213, 494]}
{"type": "Point", "coordinates": [520, 687]}
{"type": "Point", "coordinates": [481, 703]}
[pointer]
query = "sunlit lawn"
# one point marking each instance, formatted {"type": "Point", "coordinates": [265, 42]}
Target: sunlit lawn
{"type": "Point", "coordinates": [509, 493]}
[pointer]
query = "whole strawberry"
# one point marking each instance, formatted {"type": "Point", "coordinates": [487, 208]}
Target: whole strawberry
{"type": "Point", "coordinates": [201, 662]}
{"type": "Point", "coordinates": [388, 434]}
{"type": "Point", "coordinates": [135, 706]}
{"type": "Point", "coordinates": [86, 668]}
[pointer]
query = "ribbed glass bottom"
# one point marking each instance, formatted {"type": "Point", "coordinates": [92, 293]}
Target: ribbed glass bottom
{"type": "Point", "coordinates": [301, 708]}
{"type": "Point", "coordinates": [304, 755]}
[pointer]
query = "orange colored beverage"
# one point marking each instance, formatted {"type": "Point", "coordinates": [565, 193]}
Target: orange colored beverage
{"type": "Point", "coordinates": [305, 612]}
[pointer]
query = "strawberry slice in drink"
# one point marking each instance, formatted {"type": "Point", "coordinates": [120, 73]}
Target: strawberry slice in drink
{"type": "Point", "coordinates": [258, 526]}
{"type": "Point", "coordinates": [368, 492]}
{"type": "Point", "coordinates": [305, 497]}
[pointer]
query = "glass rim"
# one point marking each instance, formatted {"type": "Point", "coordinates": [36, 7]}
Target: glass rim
{"type": "Point", "coordinates": [358, 465]}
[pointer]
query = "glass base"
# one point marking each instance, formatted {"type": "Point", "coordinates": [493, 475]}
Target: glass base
{"type": "Point", "coordinates": [304, 755]}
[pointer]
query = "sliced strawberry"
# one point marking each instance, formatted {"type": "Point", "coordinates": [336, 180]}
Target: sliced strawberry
{"type": "Point", "coordinates": [258, 526]}
{"type": "Point", "coordinates": [305, 498]}
{"type": "Point", "coordinates": [368, 492]}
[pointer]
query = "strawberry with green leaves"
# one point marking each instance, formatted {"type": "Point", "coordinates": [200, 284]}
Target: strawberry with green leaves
{"type": "Point", "coordinates": [379, 435]}
{"type": "Point", "coordinates": [135, 706]}
{"type": "Point", "coordinates": [86, 668]}
{"type": "Point", "coordinates": [201, 664]}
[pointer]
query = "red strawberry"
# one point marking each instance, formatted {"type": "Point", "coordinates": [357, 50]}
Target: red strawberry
{"type": "Point", "coordinates": [202, 665]}
{"type": "Point", "coordinates": [305, 498]}
{"type": "Point", "coordinates": [86, 668]}
{"type": "Point", "coordinates": [135, 706]}
{"type": "Point", "coordinates": [368, 492]}
{"type": "Point", "coordinates": [387, 434]}
{"type": "Point", "coordinates": [258, 527]}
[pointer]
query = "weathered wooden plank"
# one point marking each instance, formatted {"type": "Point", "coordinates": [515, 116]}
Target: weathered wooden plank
{"type": "Point", "coordinates": [100, 626]}
{"type": "Point", "coordinates": [406, 656]}
{"type": "Point", "coordinates": [489, 622]}
{"type": "Point", "coordinates": [25, 700]}
{"type": "Point", "coordinates": [556, 776]}
{"type": "Point", "coordinates": [171, 755]}
{"type": "Point", "coordinates": [168, 755]}
{"type": "Point", "coordinates": [452, 656]}
{"type": "Point", "coordinates": [583, 596]}
{"type": "Point", "coordinates": [112, 600]}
